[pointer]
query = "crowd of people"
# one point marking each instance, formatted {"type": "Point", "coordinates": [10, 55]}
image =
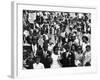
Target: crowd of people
{"type": "Point", "coordinates": [53, 39]}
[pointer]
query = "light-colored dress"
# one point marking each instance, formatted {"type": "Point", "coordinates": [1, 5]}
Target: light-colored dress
{"type": "Point", "coordinates": [55, 63]}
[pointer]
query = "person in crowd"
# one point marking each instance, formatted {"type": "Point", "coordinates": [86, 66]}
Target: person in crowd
{"type": "Point", "coordinates": [37, 64]}
{"type": "Point", "coordinates": [55, 57]}
{"type": "Point", "coordinates": [29, 62]}
{"type": "Point", "coordinates": [87, 56]}
{"type": "Point", "coordinates": [78, 56]}
{"type": "Point", "coordinates": [64, 60]}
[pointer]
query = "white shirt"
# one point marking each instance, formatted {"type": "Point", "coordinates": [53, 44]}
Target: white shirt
{"type": "Point", "coordinates": [63, 34]}
{"type": "Point", "coordinates": [78, 57]}
{"type": "Point", "coordinates": [84, 46]}
{"type": "Point", "coordinates": [57, 26]}
{"type": "Point", "coordinates": [46, 36]}
{"type": "Point", "coordinates": [32, 17]}
{"type": "Point", "coordinates": [26, 33]}
{"type": "Point", "coordinates": [55, 63]}
{"type": "Point", "coordinates": [76, 40]}
{"type": "Point", "coordinates": [40, 41]}
{"type": "Point", "coordinates": [38, 66]}
{"type": "Point", "coordinates": [87, 57]}
{"type": "Point", "coordinates": [34, 48]}
{"type": "Point", "coordinates": [50, 47]}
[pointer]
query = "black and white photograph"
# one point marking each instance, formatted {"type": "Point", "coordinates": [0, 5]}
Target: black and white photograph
{"type": "Point", "coordinates": [55, 39]}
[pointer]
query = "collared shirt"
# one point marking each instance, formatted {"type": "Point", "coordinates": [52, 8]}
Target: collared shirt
{"type": "Point", "coordinates": [38, 66]}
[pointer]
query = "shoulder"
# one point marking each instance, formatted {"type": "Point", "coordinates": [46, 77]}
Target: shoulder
{"type": "Point", "coordinates": [41, 64]}
{"type": "Point", "coordinates": [34, 64]}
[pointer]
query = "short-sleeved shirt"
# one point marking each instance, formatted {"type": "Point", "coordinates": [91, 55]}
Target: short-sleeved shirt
{"type": "Point", "coordinates": [38, 66]}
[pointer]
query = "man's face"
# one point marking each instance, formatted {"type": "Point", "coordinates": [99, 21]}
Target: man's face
{"type": "Point", "coordinates": [87, 48]}
{"type": "Point", "coordinates": [79, 51]}
{"type": "Point", "coordinates": [84, 40]}
{"type": "Point", "coordinates": [37, 60]}
{"type": "Point", "coordinates": [73, 47]}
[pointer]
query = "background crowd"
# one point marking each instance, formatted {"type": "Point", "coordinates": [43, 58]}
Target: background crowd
{"type": "Point", "coordinates": [53, 39]}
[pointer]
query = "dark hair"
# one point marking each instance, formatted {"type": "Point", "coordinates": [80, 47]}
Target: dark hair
{"type": "Point", "coordinates": [79, 49]}
{"type": "Point", "coordinates": [85, 37]}
{"type": "Point", "coordinates": [88, 46]}
{"type": "Point", "coordinates": [55, 49]}
{"type": "Point", "coordinates": [73, 45]}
